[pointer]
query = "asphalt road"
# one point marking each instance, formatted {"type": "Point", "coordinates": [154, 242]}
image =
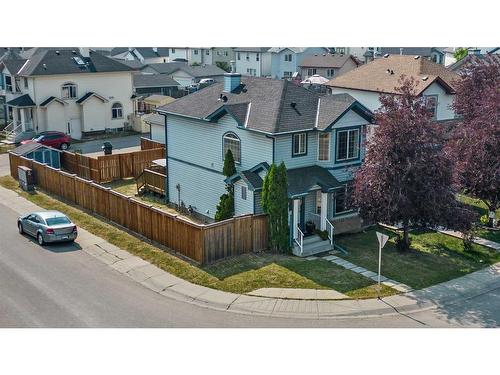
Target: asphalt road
{"type": "Point", "coordinates": [62, 286]}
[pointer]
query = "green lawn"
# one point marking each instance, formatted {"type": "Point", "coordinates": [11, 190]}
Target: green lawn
{"type": "Point", "coordinates": [434, 257]}
{"type": "Point", "coordinates": [478, 206]}
{"type": "Point", "coordinates": [239, 275]}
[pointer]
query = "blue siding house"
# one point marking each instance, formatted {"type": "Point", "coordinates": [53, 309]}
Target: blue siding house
{"type": "Point", "coordinates": [285, 61]}
{"type": "Point", "coordinates": [264, 121]}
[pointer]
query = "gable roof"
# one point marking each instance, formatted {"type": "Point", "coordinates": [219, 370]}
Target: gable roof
{"type": "Point", "coordinates": [13, 65]}
{"type": "Point", "coordinates": [201, 71]}
{"type": "Point", "coordinates": [90, 94]}
{"type": "Point", "coordinates": [375, 76]}
{"type": "Point", "coordinates": [327, 61]}
{"type": "Point", "coordinates": [48, 61]}
{"type": "Point", "coordinates": [293, 49]}
{"type": "Point", "coordinates": [50, 99]}
{"type": "Point", "coordinates": [149, 52]}
{"type": "Point", "coordinates": [301, 180]}
{"type": "Point", "coordinates": [250, 176]}
{"type": "Point", "coordinates": [165, 68]}
{"type": "Point", "coordinates": [153, 80]}
{"type": "Point", "coordinates": [134, 64]}
{"type": "Point", "coordinates": [22, 101]}
{"type": "Point", "coordinates": [266, 105]}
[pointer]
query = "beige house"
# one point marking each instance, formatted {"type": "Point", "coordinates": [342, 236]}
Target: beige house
{"type": "Point", "coordinates": [146, 121]}
{"type": "Point", "coordinates": [67, 90]}
{"type": "Point", "coordinates": [327, 65]}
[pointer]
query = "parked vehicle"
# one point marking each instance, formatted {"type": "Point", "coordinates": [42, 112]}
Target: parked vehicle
{"type": "Point", "coordinates": [52, 138]}
{"type": "Point", "coordinates": [206, 81]}
{"type": "Point", "coordinates": [48, 226]}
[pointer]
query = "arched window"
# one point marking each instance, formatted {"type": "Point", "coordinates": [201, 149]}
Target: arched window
{"type": "Point", "coordinates": [231, 142]}
{"type": "Point", "coordinates": [117, 111]}
{"type": "Point", "coordinates": [68, 91]}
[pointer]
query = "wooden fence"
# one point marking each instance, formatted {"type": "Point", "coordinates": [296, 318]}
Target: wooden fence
{"type": "Point", "coordinates": [107, 168]}
{"type": "Point", "coordinates": [148, 144]}
{"type": "Point", "coordinates": [201, 243]}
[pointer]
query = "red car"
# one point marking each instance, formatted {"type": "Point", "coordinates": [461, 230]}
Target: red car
{"type": "Point", "coordinates": [52, 139]}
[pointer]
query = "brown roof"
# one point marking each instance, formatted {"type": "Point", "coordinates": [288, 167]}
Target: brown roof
{"type": "Point", "coordinates": [327, 61]}
{"type": "Point", "coordinates": [376, 75]}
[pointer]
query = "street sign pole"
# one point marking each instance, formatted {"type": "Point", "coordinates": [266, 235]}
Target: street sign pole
{"type": "Point", "coordinates": [382, 239]}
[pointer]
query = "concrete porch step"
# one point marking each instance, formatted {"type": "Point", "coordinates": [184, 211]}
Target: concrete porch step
{"type": "Point", "coordinates": [312, 245]}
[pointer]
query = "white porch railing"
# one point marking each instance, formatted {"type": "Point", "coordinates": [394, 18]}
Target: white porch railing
{"type": "Point", "coordinates": [330, 228]}
{"type": "Point", "coordinates": [12, 130]}
{"type": "Point", "coordinates": [300, 240]}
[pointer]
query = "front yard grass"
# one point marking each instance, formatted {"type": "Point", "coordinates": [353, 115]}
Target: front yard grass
{"type": "Point", "coordinates": [478, 206]}
{"type": "Point", "coordinates": [238, 275]}
{"type": "Point", "coordinates": [433, 258]}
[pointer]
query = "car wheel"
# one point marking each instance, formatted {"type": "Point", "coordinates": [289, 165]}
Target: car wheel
{"type": "Point", "coordinates": [20, 227]}
{"type": "Point", "coordinates": [64, 146]}
{"type": "Point", "coordinates": [39, 238]}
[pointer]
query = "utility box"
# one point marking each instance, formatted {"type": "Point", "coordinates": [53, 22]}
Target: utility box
{"type": "Point", "coordinates": [26, 178]}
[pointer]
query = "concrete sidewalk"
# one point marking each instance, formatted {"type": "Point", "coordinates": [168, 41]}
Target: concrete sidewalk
{"type": "Point", "coordinates": [296, 303]}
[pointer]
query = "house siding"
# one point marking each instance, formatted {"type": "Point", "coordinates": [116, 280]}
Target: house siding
{"type": "Point", "coordinates": [197, 144]}
{"type": "Point", "coordinates": [242, 206]}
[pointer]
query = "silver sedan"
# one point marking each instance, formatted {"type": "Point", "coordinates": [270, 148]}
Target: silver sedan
{"type": "Point", "coordinates": [47, 226]}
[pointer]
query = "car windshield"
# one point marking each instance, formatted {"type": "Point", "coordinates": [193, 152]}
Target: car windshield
{"type": "Point", "coordinates": [57, 220]}
{"type": "Point", "coordinates": [39, 138]}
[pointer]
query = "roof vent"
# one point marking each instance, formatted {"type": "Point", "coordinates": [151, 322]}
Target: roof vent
{"type": "Point", "coordinates": [386, 55]}
{"type": "Point", "coordinates": [58, 53]}
{"type": "Point", "coordinates": [392, 71]}
{"type": "Point", "coordinates": [45, 66]}
{"type": "Point", "coordinates": [224, 98]}
{"type": "Point", "coordinates": [293, 104]}
{"type": "Point", "coordinates": [416, 57]}
{"type": "Point", "coordinates": [425, 78]}
{"type": "Point", "coordinates": [73, 52]}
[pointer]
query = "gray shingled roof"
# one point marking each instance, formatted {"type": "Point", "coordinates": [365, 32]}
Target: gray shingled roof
{"type": "Point", "coordinates": [276, 106]}
{"type": "Point", "coordinates": [148, 52]}
{"type": "Point", "coordinates": [252, 49]}
{"type": "Point", "coordinates": [153, 80]}
{"type": "Point", "coordinates": [326, 61]}
{"type": "Point", "coordinates": [22, 101]}
{"type": "Point", "coordinates": [165, 68]}
{"type": "Point", "coordinates": [413, 51]}
{"type": "Point", "coordinates": [301, 180]}
{"type": "Point", "coordinates": [201, 71]}
{"type": "Point", "coordinates": [27, 148]}
{"type": "Point", "coordinates": [13, 65]}
{"type": "Point", "coordinates": [48, 61]}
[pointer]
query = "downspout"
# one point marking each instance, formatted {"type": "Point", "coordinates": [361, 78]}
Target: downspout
{"type": "Point", "coordinates": [167, 195]}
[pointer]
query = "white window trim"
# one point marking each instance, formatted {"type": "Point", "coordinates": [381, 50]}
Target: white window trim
{"type": "Point", "coordinates": [347, 148]}
{"type": "Point", "coordinates": [233, 137]}
{"type": "Point", "coordinates": [329, 148]}
{"type": "Point", "coordinates": [121, 111]}
{"type": "Point", "coordinates": [68, 85]}
{"type": "Point", "coordinates": [304, 152]}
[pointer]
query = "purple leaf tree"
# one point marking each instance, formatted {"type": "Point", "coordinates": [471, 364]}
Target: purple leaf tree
{"type": "Point", "coordinates": [475, 144]}
{"type": "Point", "coordinates": [406, 178]}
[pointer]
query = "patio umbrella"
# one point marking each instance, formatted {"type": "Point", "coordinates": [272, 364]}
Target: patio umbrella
{"type": "Point", "coordinates": [315, 79]}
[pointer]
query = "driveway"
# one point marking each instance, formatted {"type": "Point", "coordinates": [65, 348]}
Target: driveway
{"type": "Point", "coordinates": [4, 164]}
{"type": "Point", "coordinates": [120, 145]}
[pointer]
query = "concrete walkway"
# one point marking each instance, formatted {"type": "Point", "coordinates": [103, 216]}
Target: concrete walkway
{"type": "Point", "coordinates": [477, 240]}
{"type": "Point", "coordinates": [320, 305]}
{"type": "Point", "coordinates": [400, 287]}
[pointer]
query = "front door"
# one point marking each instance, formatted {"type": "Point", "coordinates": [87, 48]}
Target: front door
{"type": "Point", "coordinates": [75, 128]}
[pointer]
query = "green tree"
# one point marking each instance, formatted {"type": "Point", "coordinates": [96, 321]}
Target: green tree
{"type": "Point", "coordinates": [225, 208]}
{"type": "Point", "coordinates": [223, 65]}
{"type": "Point", "coordinates": [275, 205]}
{"type": "Point", "coordinates": [460, 53]}
{"type": "Point", "coordinates": [196, 64]}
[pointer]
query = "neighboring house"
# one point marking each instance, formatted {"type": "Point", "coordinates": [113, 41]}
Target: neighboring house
{"type": "Point", "coordinates": [471, 58]}
{"type": "Point", "coordinates": [148, 84]}
{"type": "Point", "coordinates": [72, 91]}
{"type": "Point", "coordinates": [285, 61]}
{"type": "Point", "coordinates": [145, 116]}
{"type": "Point", "coordinates": [144, 55]}
{"type": "Point", "coordinates": [253, 61]}
{"type": "Point", "coordinates": [223, 54]}
{"type": "Point", "coordinates": [363, 54]}
{"type": "Point", "coordinates": [435, 54]}
{"type": "Point", "coordinates": [327, 65]}
{"type": "Point", "coordinates": [185, 74]}
{"type": "Point", "coordinates": [369, 81]}
{"type": "Point", "coordinates": [265, 121]}
{"type": "Point", "coordinates": [191, 55]}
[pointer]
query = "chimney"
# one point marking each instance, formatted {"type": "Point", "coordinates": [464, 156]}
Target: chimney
{"type": "Point", "coordinates": [84, 51]}
{"type": "Point", "coordinates": [232, 80]}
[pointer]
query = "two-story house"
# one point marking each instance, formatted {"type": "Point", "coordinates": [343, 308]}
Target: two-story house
{"type": "Point", "coordinates": [264, 121]}
{"type": "Point", "coordinates": [253, 61]}
{"type": "Point", "coordinates": [185, 74]}
{"type": "Point", "coordinates": [68, 90]}
{"type": "Point", "coordinates": [285, 61]}
{"type": "Point", "coordinates": [327, 65]}
{"type": "Point", "coordinates": [381, 76]}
